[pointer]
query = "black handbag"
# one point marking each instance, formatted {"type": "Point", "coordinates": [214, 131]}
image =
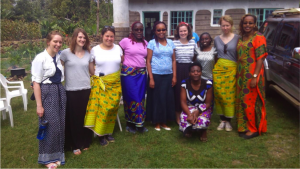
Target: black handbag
{"type": "Point", "coordinates": [32, 97]}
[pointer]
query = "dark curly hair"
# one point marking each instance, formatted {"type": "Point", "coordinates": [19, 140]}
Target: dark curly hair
{"type": "Point", "coordinates": [190, 33]}
{"type": "Point", "coordinates": [241, 30]}
{"type": "Point", "coordinates": [197, 63]}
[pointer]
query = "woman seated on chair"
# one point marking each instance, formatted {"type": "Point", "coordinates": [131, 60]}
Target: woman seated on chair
{"type": "Point", "coordinates": [196, 98]}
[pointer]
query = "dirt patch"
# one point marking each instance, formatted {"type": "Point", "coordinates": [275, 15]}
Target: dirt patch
{"type": "Point", "coordinates": [236, 162]}
{"type": "Point", "coordinates": [281, 146]}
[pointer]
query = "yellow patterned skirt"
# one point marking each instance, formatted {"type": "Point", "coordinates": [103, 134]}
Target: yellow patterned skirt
{"type": "Point", "coordinates": [224, 83]}
{"type": "Point", "coordinates": [103, 103]}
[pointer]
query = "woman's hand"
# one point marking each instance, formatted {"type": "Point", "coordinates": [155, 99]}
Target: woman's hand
{"type": "Point", "coordinates": [152, 84]}
{"type": "Point", "coordinates": [40, 111]}
{"type": "Point", "coordinates": [190, 118]}
{"type": "Point", "coordinates": [253, 82]}
{"type": "Point", "coordinates": [174, 80]}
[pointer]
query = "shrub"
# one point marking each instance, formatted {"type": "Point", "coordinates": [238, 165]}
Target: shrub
{"type": "Point", "coordinates": [19, 29]}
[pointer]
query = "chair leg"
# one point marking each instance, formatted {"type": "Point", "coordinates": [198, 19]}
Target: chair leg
{"type": "Point", "coordinates": [119, 122]}
{"type": "Point", "coordinates": [24, 101]}
{"type": "Point", "coordinates": [3, 114]}
{"type": "Point", "coordinates": [11, 116]}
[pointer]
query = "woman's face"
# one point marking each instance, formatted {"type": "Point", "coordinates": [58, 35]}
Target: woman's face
{"type": "Point", "coordinates": [108, 38]}
{"type": "Point", "coordinates": [55, 44]}
{"type": "Point", "coordinates": [137, 31]}
{"type": "Point", "coordinates": [195, 73]}
{"type": "Point", "coordinates": [81, 39]}
{"type": "Point", "coordinates": [183, 32]}
{"type": "Point", "coordinates": [226, 27]}
{"type": "Point", "coordinates": [205, 40]}
{"type": "Point", "coordinates": [248, 24]}
{"type": "Point", "coordinates": [160, 31]}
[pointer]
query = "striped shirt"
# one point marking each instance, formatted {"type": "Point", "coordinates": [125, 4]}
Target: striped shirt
{"type": "Point", "coordinates": [185, 52]}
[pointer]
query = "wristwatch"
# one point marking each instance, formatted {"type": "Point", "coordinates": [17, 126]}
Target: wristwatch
{"type": "Point", "coordinates": [254, 75]}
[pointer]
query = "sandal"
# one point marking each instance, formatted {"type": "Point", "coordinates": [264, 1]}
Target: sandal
{"type": "Point", "coordinates": [85, 149]}
{"type": "Point", "coordinates": [51, 166]}
{"type": "Point", "coordinates": [57, 163]}
{"type": "Point", "coordinates": [77, 152]}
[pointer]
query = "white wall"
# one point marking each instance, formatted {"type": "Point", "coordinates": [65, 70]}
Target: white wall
{"type": "Point", "coordinates": [195, 5]}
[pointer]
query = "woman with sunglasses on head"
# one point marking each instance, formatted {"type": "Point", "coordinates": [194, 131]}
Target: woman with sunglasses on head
{"type": "Point", "coordinates": [161, 66]}
{"type": "Point", "coordinates": [206, 56]}
{"type": "Point", "coordinates": [105, 94]}
{"type": "Point", "coordinates": [134, 78]}
{"type": "Point", "coordinates": [250, 101]}
{"type": "Point", "coordinates": [185, 49]}
{"type": "Point", "coordinates": [224, 73]}
{"type": "Point", "coordinates": [47, 75]}
{"type": "Point", "coordinates": [77, 61]}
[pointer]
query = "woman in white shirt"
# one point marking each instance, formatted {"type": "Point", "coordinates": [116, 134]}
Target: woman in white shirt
{"type": "Point", "coordinates": [51, 101]}
{"type": "Point", "coordinates": [77, 60]}
{"type": "Point", "coordinates": [105, 94]}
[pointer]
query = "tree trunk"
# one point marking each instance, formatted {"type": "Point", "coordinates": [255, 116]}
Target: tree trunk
{"type": "Point", "coordinates": [98, 17]}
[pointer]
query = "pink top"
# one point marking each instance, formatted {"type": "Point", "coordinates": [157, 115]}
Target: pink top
{"type": "Point", "coordinates": [134, 54]}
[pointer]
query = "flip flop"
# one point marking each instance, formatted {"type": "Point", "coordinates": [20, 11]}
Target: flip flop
{"type": "Point", "coordinates": [51, 166]}
{"type": "Point", "coordinates": [85, 149]}
{"type": "Point", "coordinates": [77, 152]}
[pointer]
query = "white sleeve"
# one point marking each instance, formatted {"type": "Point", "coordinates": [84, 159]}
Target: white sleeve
{"type": "Point", "coordinates": [92, 55]}
{"type": "Point", "coordinates": [121, 51]}
{"type": "Point", "coordinates": [37, 70]}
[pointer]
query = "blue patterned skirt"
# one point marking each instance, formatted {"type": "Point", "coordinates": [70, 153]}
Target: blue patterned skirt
{"type": "Point", "coordinates": [51, 148]}
{"type": "Point", "coordinates": [134, 82]}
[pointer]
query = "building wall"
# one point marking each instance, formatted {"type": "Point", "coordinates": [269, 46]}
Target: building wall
{"type": "Point", "coordinates": [165, 18]}
{"type": "Point", "coordinates": [232, 7]}
{"type": "Point", "coordinates": [236, 15]}
{"type": "Point", "coordinates": [133, 16]}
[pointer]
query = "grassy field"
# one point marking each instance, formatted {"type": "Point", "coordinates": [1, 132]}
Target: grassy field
{"type": "Point", "coordinates": [278, 148]}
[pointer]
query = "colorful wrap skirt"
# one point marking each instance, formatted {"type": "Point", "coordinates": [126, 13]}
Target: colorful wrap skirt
{"type": "Point", "coordinates": [103, 104]}
{"type": "Point", "coordinates": [134, 83]}
{"type": "Point", "coordinates": [203, 120]}
{"type": "Point", "coordinates": [224, 83]}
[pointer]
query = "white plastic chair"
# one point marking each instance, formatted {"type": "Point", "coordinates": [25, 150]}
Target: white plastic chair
{"type": "Point", "coordinates": [14, 93]}
{"type": "Point", "coordinates": [5, 106]}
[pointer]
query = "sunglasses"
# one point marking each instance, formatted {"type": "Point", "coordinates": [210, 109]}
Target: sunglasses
{"type": "Point", "coordinates": [225, 49]}
{"type": "Point", "coordinates": [111, 27]}
{"type": "Point", "coordinates": [159, 30]}
{"type": "Point", "coordinates": [141, 30]}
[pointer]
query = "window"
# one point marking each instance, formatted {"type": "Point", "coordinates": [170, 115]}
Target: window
{"type": "Point", "coordinates": [269, 31]}
{"type": "Point", "coordinates": [261, 14]}
{"type": "Point", "coordinates": [216, 16]}
{"type": "Point", "coordinates": [180, 16]}
{"type": "Point", "coordinates": [287, 38]}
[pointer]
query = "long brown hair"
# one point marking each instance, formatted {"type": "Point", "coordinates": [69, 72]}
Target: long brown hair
{"type": "Point", "coordinates": [241, 30]}
{"type": "Point", "coordinates": [74, 38]}
{"type": "Point", "coordinates": [190, 34]}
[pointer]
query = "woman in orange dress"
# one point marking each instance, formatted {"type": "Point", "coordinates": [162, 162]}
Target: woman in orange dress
{"type": "Point", "coordinates": [250, 104]}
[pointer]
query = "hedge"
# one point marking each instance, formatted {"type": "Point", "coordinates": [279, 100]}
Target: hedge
{"type": "Point", "coordinates": [19, 29]}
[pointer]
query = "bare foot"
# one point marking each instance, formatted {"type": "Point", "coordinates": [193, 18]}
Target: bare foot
{"type": "Point", "coordinates": [203, 136]}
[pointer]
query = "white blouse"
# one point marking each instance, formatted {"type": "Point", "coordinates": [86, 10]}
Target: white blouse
{"type": "Point", "coordinates": [107, 61]}
{"type": "Point", "coordinates": [43, 67]}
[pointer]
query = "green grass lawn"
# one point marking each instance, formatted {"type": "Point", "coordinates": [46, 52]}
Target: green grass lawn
{"type": "Point", "coordinates": [279, 147]}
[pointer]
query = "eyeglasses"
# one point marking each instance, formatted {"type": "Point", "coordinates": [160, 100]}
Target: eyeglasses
{"type": "Point", "coordinates": [141, 30]}
{"type": "Point", "coordinates": [159, 30]}
{"type": "Point", "coordinates": [225, 49]}
{"type": "Point", "coordinates": [111, 27]}
{"type": "Point", "coordinates": [246, 23]}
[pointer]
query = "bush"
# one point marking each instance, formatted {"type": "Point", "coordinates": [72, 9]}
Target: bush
{"type": "Point", "coordinates": [19, 29]}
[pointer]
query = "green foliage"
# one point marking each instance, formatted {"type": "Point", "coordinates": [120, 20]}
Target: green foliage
{"type": "Point", "coordinates": [19, 29]}
{"type": "Point", "coordinates": [47, 26]}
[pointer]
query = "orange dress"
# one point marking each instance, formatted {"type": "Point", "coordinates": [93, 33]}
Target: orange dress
{"type": "Point", "coordinates": [250, 102]}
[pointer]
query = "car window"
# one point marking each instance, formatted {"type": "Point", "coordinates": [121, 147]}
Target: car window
{"type": "Point", "coordinates": [287, 38]}
{"type": "Point", "coordinates": [269, 31]}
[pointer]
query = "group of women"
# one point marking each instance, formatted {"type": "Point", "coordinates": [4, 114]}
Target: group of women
{"type": "Point", "coordinates": [184, 84]}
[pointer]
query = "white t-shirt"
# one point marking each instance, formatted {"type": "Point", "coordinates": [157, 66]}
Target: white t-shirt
{"type": "Point", "coordinates": [107, 61]}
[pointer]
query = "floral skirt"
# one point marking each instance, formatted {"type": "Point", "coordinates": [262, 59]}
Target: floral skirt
{"type": "Point", "coordinates": [203, 120]}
